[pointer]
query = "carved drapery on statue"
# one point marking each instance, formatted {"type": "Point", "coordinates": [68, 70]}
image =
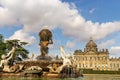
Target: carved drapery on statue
{"type": "Point", "coordinates": [45, 36]}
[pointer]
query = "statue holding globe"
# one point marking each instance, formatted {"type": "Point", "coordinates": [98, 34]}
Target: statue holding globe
{"type": "Point", "coordinates": [45, 36]}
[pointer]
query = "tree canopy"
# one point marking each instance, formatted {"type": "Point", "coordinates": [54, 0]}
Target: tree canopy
{"type": "Point", "coordinates": [2, 46]}
{"type": "Point", "coordinates": [20, 52]}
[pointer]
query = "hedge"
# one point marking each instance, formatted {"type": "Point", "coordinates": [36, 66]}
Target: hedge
{"type": "Point", "coordinates": [90, 71]}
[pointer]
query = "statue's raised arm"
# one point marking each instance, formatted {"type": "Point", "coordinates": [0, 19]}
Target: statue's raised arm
{"type": "Point", "coordinates": [10, 54]}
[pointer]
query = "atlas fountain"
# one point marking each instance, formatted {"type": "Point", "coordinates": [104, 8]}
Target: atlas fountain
{"type": "Point", "coordinates": [44, 66]}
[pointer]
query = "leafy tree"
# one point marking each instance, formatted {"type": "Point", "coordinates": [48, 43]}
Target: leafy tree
{"type": "Point", "coordinates": [2, 46]}
{"type": "Point", "coordinates": [21, 52]}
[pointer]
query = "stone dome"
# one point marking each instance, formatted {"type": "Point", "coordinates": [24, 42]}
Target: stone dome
{"type": "Point", "coordinates": [91, 43]}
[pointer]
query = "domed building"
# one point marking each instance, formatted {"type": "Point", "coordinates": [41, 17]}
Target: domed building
{"type": "Point", "coordinates": [91, 58]}
{"type": "Point", "coordinates": [91, 46]}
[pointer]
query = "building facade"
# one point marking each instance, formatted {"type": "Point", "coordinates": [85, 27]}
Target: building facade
{"type": "Point", "coordinates": [92, 58]}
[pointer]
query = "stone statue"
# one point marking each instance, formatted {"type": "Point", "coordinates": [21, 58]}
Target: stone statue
{"type": "Point", "coordinates": [31, 57]}
{"type": "Point", "coordinates": [5, 60]}
{"type": "Point", "coordinates": [65, 57]}
{"type": "Point", "coordinates": [67, 61]}
{"type": "Point", "coordinates": [31, 68]}
{"type": "Point", "coordinates": [45, 36]}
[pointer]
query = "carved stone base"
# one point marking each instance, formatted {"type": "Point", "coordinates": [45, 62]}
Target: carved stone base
{"type": "Point", "coordinates": [48, 58]}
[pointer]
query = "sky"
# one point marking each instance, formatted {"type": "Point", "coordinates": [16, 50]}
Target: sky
{"type": "Point", "coordinates": [72, 23]}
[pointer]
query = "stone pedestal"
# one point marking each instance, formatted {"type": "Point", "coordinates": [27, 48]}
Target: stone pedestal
{"type": "Point", "coordinates": [48, 58]}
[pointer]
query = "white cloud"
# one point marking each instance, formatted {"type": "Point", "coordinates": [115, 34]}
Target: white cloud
{"type": "Point", "coordinates": [36, 14]}
{"type": "Point", "coordinates": [106, 44]}
{"type": "Point", "coordinates": [6, 17]}
{"type": "Point", "coordinates": [23, 36]}
{"type": "Point", "coordinates": [115, 50]}
{"type": "Point", "coordinates": [112, 56]}
{"type": "Point", "coordinates": [91, 10]}
{"type": "Point", "coordinates": [70, 44]}
{"type": "Point", "coordinates": [73, 6]}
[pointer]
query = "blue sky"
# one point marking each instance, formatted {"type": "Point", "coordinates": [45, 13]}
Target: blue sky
{"type": "Point", "coordinates": [102, 10]}
{"type": "Point", "coordinates": [72, 23]}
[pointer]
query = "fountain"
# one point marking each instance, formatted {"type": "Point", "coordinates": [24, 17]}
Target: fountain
{"type": "Point", "coordinates": [44, 66]}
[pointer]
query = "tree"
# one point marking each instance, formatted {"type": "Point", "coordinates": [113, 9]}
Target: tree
{"type": "Point", "coordinates": [2, 46]}
{"type": "Point", "coordinates": [21, 52]}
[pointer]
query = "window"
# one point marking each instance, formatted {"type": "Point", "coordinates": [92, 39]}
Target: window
{"type": "Point", "coordinates": [102, 58]}
{"type": "Point", "coordinates": [79, 65]}
{"type": "Point", "coordinates": [98, 58]}
{"type": "Point", "coordinates": [90, 64]}
{"type": "Point", "coordinates": [105, 58]}
{"type": "Point", "coordinates": [86, 65]}
{"type": "Point", "coordinates": [118, 65]}
{"type": "Point", "coordinates": [90, 58]}
{"type": "Point", "coordinates": [83, 65]}
{"type": "Point", "coordinates": [86, 58]}
{"type": "Point", "coordinates": [83, 58]}
{"type": "Point", "coordinates": [110, 65]}
{"type": "Point", "coordinates": [114, 64]}
{"type": "Point", "coordinates": [103, 66]}
{"type": "Point", "coordinates": [95, 58]}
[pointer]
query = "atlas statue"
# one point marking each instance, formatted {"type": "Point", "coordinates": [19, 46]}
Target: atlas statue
{"type": "Point", "coordinates": [45, 36]}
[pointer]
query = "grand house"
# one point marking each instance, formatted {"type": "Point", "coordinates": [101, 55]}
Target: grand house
{"type": "Point", "coordinates": [92, 58]}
